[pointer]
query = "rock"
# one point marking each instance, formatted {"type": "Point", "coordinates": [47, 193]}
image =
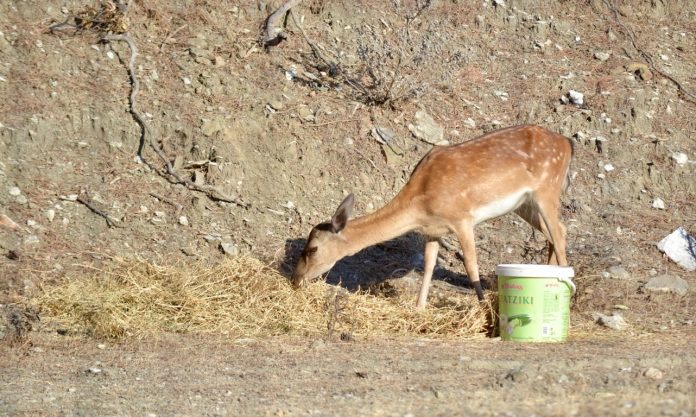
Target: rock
{"type": "Point", "coordinates": [183, 220]}
{"type": "Point", "coordinates": [576, 97]}
{"type": "Point", "coordinates": [658, 203]}
{"type": "Point", "coordinates": [617, 272]}
{"type": "Point", "coordinates": [276, 105]}
{"type": "Point", "coordinates": [210, 127]}
{"type": "Point", "coordinates": [680, 158]}
{"type": "Point", "coordinates": [50, 215]}
{"type": "Point", "coordinates": [229, 248]}
{"type": "Point", "coordinates": [615, 321]}
{"type": "Point", "coordinates": [609, 167]}
{"type": "Point", "coordinates": [640, 69]}
{"type": "Point", "coordinates": [470, 123]}
{"type": "Point", "coordinates": [94, 370]}
{"type": "Point", "coordinates": [602, 55]}
{"type": "Point", "coordinates": [426, 129]}
{"type": "Point", "coordinates": [667, 283]}
{"type": "Point", "coordinates": [679, 247]}
{"type": "Point", "coordinates": [305, 113]}
{"type": "Point", "coordinates": [31, 240]}
{"type": "Point", "coordinates": [653, 373]}
{"type": "Point", "coordinates": [15, 191]}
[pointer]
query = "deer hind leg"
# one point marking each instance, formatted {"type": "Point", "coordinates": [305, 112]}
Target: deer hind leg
{"type": "Point", "coordinates": [465, 234]}
{"type": "Point", "coordinates": [532, 214]}
{"type": "Point", "coordinates": [430, 258]}
{"type": "Point", "coordinates": [549, 214]}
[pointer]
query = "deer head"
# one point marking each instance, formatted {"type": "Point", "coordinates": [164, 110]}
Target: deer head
{"type": "Point", "coordinates": [324, 245]}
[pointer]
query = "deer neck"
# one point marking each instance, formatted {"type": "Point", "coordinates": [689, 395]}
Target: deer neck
{"type": "Point", "coordinates": [390, 221]}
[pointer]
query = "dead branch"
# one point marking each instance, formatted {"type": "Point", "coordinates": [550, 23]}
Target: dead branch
{"type": "Point", "coordinates": [179, 208]}
{"type": "Point", "coordinates": [88, 203]}
{"type": "Point", "coordinates": [632, 37]}
{"type": "Point", "coordinates": [146, 135]}
{"type": "Point", "coordinates": [274, 35]}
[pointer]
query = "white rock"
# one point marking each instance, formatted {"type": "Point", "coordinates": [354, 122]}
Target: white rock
{"type": "Point", "coordinates": [615, 321]}
{"type": "Point", "coordinates": [50, 215]}
{"type": "Point", "coordinates": [609, 167]}
{"type": "Point", "coordinates": [680, 158]}
{"type": "Point", "coordinates": [679, 247]}
{"type": "Point", "coordinates": [229, 248]}
{"type": "Point", "coordinates": [576, 97]}
{"type": "Point", "coordinates": [15, 191]}
{"type": "Point", "coordinates": [33, 224]}
{"type": "Point", "coordinates": [653, 373]}
{"type": "Point", "coordinates": [183, 221]}
{"type": "Point", "coordinates": [289, 205]}
{"type": "Point", "coordinates": [31, 240]}
{"type": "Point", "coordinates": [187, 80]}
{"type": "Point", "coordinates": [110, 54]}
{"type": "Point", "coordinates": [470, 123]}
{"type": "Point", "coordinates": [658, 203]}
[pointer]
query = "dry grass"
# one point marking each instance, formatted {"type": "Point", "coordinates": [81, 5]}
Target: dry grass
{"type": "Point", "coordinates": [240, 297]}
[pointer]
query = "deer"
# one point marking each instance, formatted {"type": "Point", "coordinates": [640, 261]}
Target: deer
{"type": "Point", "coordinates": [522, 169]}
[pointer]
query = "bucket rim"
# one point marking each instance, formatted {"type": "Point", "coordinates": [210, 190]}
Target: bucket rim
{"type": "Point", "coordinates": [534, 271]}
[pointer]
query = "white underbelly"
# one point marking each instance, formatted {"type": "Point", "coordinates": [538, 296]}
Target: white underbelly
{"type": "Point", "coordinates": [500, 206]}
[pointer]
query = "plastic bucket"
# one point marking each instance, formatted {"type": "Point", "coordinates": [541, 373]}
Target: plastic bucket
{"type": "Point", "coordinates": [534, 302]}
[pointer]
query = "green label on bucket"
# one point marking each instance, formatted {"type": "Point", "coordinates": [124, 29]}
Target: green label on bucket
{"type": "Point", "coordinates": [533, 309]}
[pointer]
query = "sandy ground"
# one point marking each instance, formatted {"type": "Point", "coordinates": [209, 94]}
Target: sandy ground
{"type": "Point", "coordinates": [191, 376]}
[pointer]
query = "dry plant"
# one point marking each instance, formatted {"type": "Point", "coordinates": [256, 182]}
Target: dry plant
{"type": "Point", "coordinates": [239, 297]}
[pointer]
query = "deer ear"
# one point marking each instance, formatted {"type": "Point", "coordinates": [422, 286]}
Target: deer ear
{"type": "Point", "coordinates": [340, 218]}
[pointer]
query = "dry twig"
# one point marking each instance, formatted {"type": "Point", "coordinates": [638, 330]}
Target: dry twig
{"type": "Point", "coordinates": [88, 203]}
{"type": "Point", "coordinates": [632, 37]}
{"type": "Point", "coordinates": [146, 133]}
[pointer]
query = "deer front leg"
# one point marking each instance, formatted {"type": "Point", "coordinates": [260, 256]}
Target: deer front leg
{"type": "Point", "coordinates": [430, 258]}
{"type": "Point", "coordinates": [465, 234]}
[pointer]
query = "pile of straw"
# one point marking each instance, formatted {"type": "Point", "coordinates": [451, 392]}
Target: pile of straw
{"type": "Point", "coordinates": [241, 297]}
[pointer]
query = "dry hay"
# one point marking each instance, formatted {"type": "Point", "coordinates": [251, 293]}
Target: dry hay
{"type": "Point", "coordinates": [240, 297]}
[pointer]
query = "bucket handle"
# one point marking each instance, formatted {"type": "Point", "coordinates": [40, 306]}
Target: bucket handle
{"type": "Point", "coordinates": [569, 283]}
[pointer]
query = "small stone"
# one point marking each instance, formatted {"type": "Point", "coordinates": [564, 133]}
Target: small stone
{"type": "Point", "coordinates": [678, 246]}
{"type": "Point", "coordinates": [33, 224]}
{"type": "Point", "coordinates": [667, 283]}
{"type": "Point", "coordinates": [211, 238]}
{"type": "Point", "coordinates": [101, 346]}
{"type": "Point", "coordinates": [609, 167]}
{"type": "Point", "coordinates": [615, 321]}
{"type": "Point", "coordinates": [618, 272]}
{"type": "Point", "coordinates": [426, 129]}
{"type": "Point", "coordinates": [470, 123]}
{"type": "Point", "coordinates": [50, 215]}
{"type": "Point", "coordinates": [110, 54]}
{"type": "Point", "coordinates": [229, 248]}
{"type": "Point", "coordinates": [680, 158]}
{"type": "Point", "coordinates": [576, 97]}
{"type": "Point", "coordinates": [15, 191]}
{"type": "Point", "coordinates": [658, 203]}
{"type": "Point", "coordinates": [653, 373]}
{"type": "Point", "coordinates": [602, 55]}
{"type": "Point", "coordinates": [160, 214]}
{"type": "Point", "coordinates": [219, 61]}
{"type": "Point", "coordinates": [305, 113]}
{"type": "Point", "coordinates": [183, 221]}
{"type": "Point", "coordinates": [31, 240]}
{"type": "Point", "coordinates": [210, 127]}
{"type": "Point", "coordinates": [187, 80]}
{"type": "Point", "coordinates": [276, 105]}
{"type": "Point", "coordinates": [94, 370]}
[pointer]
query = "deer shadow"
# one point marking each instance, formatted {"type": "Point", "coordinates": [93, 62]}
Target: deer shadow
{"type": "Point", "coordinates": [373, 265]}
